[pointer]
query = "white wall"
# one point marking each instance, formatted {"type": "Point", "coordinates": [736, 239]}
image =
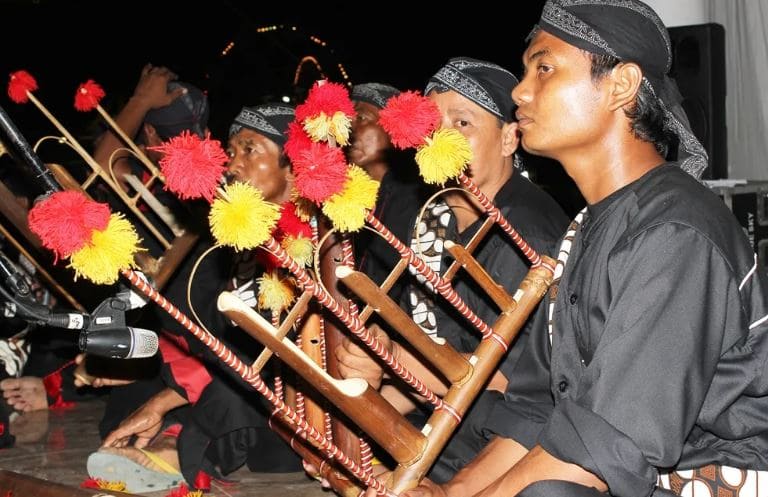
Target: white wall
{"type": "Point", "coordinates": [680, 12]}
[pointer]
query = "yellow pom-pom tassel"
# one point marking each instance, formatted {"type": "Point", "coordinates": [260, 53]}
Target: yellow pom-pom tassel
{"type": "Point", "coordinates": [318, 127]}
{"type": "Point", "coordinates": [115, 485]}
{"type": "Point", "coordinates": [444, 156]}
{"type": "Point", "coordinates": [244, 219]}
{"type": "Point", "coordinates": [108, 252]}
{"type": "Point", "coordinates": [322, 127]}
{"type": "Point", "coordinates": [299, 249]}
{"type": "Point", "coordinates": [275, 294]}
{"type": "Point", "coordinates": [340, 127]}
{"type": "Point", "coordinates": [347, 209]}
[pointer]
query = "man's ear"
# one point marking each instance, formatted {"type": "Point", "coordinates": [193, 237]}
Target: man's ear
{"type": "Point", "coordinates": [510, 138]}
{"type": "Point", "coordinates": [289, 176]}
{"type": "Point", "coordinates": [626, 79]}
{"type": "Point", "coordinates": [150, 134]}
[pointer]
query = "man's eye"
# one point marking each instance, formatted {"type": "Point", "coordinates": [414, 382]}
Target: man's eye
{"type": "Point", "coordinates": [461, 123]}
{"type": "Point", "coordinates": [543, 68]}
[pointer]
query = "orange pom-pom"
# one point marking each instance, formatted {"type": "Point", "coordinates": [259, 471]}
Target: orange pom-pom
{"type": "Point", "coordinates": [409, 118]}
{"type": "Point", "coordinates": [320, 172]}
{"type": "Point", "coordinates": [328, 98]}
{"type": "Point", "coordinates": [88, 96]}
{"type": "Point", "coordinates": [21, 82]}
{"type": "Point", "coordinates": [192, 166]}
{"type": "Point", "coordinates": [66, 220]}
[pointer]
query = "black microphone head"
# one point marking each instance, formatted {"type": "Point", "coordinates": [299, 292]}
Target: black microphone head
{"type": "Point", "coordinates": [119, 343]}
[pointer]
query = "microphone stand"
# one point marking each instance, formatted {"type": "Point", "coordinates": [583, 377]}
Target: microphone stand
{"type": "Point", "coordinates": [109, 314]}
{"type": "Point", "coordinates": [18, 294]}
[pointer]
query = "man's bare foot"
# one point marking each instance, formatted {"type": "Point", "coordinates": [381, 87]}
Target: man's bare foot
{"type": "Point", "coordinates": [163, 447]}
{"type": "Point", "coordinates": [25, 394]}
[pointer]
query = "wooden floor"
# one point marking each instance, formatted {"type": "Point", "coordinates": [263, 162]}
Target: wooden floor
{"type": "Point", "coordinates": [54, 446]}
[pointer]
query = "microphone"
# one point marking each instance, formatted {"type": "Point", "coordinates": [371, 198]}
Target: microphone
{"type": "Point", "coordinates": [104, 332]}
{"type": "Point", "coordinates": [119, 343]}
{"type": "Point", "coordinates": [108, 336]}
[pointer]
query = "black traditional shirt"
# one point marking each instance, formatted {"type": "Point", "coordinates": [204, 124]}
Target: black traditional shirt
{"type": "Point", "coordinates": [540, 221]}
{"type": "Point", "coordinates": [660, 340]}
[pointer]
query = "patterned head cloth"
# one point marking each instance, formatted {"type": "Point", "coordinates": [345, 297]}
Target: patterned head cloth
{"type": "Point", "coordinates": [374, 93]}
{"type": "Point", "coordinates": [189, 112]}
{"type": "Point", "coordinates": [487, 84]}
{"type": "Point", "coordinates": [630, 31]}
{"type": "Point", "coordinates": [270, 120]}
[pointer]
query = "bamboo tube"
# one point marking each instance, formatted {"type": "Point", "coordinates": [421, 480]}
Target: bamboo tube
{"type": "Point", "coordinates": [450, 363]}
{"type": "Point", "coordinates": [363, 405]}
{"type": "Point", "coordinates": [296, 311]}
{"type": "Point", "coordinates": [443, 423]}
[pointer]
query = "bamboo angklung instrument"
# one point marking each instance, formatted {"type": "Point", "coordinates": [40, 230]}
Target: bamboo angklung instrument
{"type": "Point", "coordinates": [87, 98]}
{"type": "Point", "coordinates": [450, 409]}
{"type": "Point", "coordinates": [175, 249]}
{"type": "Point", "coordinates": [415, 454]}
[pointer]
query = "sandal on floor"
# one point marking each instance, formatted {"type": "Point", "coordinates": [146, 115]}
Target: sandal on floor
{"type": "Point", "coordinates": [137, 478]}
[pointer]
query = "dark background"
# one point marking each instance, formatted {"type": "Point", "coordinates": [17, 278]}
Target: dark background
{"type": "Point", "coordinates": [61, 44]}
{"type": "Point", "coordinates": [59, 41]}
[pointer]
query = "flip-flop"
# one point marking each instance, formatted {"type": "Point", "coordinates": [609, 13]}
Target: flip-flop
{"type": "Point", "coordinates": [137, 478]}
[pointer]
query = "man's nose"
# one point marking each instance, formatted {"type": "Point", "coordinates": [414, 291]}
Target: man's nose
{"type": "Point", "coordinates": [521, 94]}
{"type": "Point", "coordinates": [233, 167]}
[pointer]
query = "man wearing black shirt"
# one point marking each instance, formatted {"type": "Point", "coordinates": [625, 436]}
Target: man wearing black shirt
{"type": "Point", "coordinates": [657, 323]}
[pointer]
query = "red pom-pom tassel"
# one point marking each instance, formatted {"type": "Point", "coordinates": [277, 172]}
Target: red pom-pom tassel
{"type": "Point", "coordinates": [192, 165]}
{"type": "Point", "coordinates": [320, 172]}
{"type": "Point", "coordinates": [91, 483]}
{"type": "Point", "coordinates": [66, 220]}
{"type": "Point", "coordinates": [88, 96]}
{"type": "Point", "coordinates": [20, 83]}
{"type": "Point", "coordinates": [328, 98]}
{"type": "Point", "coordinates": [409, 118]}
{"type": "Point", "coordinates": [298, 141]}
{"type": "Point", "coordinates": [290, 224]}
{"type": "Point", "coordinates": [181, 491]}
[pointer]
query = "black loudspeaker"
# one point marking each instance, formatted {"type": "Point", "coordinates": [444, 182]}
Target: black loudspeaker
{"type": "Point", "coordinates": [698, 66]}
